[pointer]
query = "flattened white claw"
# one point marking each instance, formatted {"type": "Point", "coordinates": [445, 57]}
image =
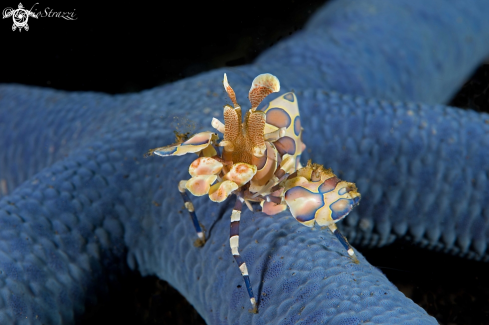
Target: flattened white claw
{"type": "Point", "coordinates": [196, 144]}
{"type": "Point", "coordinates": [205, 166]}
{"type": "Point", "coordinates": [200, 185]}
{"type": "Point", "coordinates": [220, 191]}
{"type": "Point", "coordinates": [241, 173]}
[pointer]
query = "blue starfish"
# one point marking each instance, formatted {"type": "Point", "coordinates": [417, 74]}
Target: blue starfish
{"type": "Point", "coordinates": [81, 206]}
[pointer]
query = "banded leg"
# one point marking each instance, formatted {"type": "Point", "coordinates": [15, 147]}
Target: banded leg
{"type": "Point", "coordinates": [191, 210]}
{"type": "Point", "coordinates": [234, 243]}
{"type": "Point", "coordinates": [344, 242]}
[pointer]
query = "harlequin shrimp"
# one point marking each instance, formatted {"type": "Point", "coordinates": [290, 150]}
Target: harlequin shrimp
{"type": "Point", "coordinates": [259, 161]}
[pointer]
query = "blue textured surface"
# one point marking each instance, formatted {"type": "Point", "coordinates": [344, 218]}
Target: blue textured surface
{"type": "Point", "coordinates": [82, 202]}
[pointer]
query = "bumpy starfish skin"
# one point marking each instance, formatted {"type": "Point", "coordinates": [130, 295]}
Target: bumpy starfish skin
{"type": "Point", "coordinates": [91, 206]}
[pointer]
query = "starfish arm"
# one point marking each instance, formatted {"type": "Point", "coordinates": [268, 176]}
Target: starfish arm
{"type": "Point", "coordinates": [333, 50]}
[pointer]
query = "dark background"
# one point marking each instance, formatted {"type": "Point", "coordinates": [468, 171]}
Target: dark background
{"type": "Point", "coordinates": [117, 48]}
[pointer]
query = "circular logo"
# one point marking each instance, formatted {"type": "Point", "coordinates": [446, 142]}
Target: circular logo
{"type": "Point", "coordinates": [20, 17]}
